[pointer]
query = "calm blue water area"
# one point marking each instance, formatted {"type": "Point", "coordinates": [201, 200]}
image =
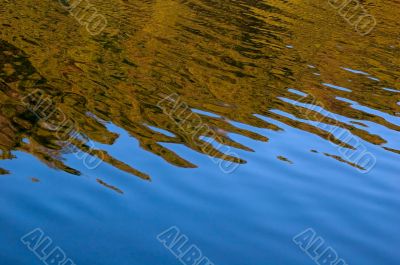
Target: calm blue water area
{"type": "Point", "coordinates": [266, 198]}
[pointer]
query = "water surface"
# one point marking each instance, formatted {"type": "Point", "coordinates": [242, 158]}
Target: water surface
{"type": "Point", "coordinates": [101, 147]}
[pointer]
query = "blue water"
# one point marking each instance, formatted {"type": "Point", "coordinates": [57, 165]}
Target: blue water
{"type": "Point", "coordinates": [248, 217]}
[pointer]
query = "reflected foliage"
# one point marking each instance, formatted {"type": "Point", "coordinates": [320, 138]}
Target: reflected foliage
{"type": "Point", "coordinates": [236, 59]}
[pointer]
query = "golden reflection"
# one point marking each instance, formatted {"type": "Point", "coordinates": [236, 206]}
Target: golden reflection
{"type": "Point", "coordinates": [235, 59]}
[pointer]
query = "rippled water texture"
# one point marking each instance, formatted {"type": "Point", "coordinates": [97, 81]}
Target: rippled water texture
{"type": "Point", "coordinates": [242, 123]}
